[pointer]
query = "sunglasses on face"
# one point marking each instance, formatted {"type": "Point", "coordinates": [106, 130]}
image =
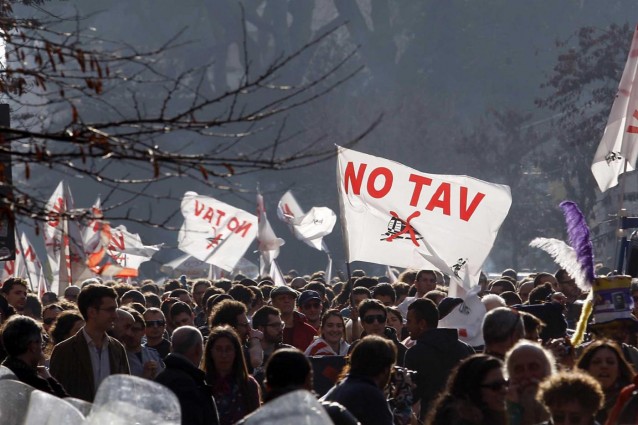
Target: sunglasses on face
{"type": "Point", "coordinates": [371, 318]}
{"type": "Point", "coordinates": [496, 386]}
{"type": "Point", "coordinates": [155, 323]}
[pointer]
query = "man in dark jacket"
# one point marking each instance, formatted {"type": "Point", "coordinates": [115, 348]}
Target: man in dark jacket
{"type": "Point", "coordinates": [435, 354]}
{"type": "Point", "coordinates": [183, 377]}
{"type": "Point", "coordinates": [22, 339]}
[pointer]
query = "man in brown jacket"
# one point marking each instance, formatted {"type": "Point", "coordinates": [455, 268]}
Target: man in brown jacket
{"type": "Point", "coordinates": [81, 362]}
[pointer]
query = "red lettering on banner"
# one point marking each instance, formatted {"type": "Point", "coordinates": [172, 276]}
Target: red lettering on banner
{"type": "Point", "coordinates": [467, 212]}
{"type": "Point", "coordinates": [419, 182]}
{"type": "Point", "coordinates": [440, 199]}
{"type": "Point", "coordinates": [9, 267]}
{"type": "Point", "coordinates": [352, 179]}
{"type": "Point", "coordinates": [387, 174]}
{"type": "Point", "coordinates": [198, 208]}
{"type": "Point", "coordinates": [287, 210]}
{"type": "Point", "coordinates": [214, 241]}
{"type": "Point", "coordinates": [209, 214]}
{"type": "Point", "coordinates": [240, 228]}
{"type": "Point", "coordinates": [29, 253]}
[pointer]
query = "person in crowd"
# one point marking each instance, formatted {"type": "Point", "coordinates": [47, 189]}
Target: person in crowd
{"type": "Point", "coordinates": [526, 365]}
{"type": "Point", "coordinates": [122, 326]}
{"type": "Point", "coordinates": [22, 340]}
{"type": "Point", "coordinates": [66, 325]}
{"type": "Point", "coordinates": [571, 398]}
{"type": "Point", "coordinates": [567, 286]}
{"type": "Point", "coordinates": [395, 321]}
{"type": "Point", "coordinates": [49, 313]}
{"type": "Point", "coordinates": [233, 313]}
{"type": "Point", "coordinates": [502, 328]}
{"type": "Point", "coordinates": [435, 354]}
{"type": "Point", "coordinates": [603, 359]}
{"type": "Point", "coordinates": [474, 394]}
{"type": "Point", "coordinates": [424, 282]}
{"type": "Point", "coordinates": [297, 332]}
{"type": "Point", "coordinates": [524, 289]}
{"type": "Point", "coordinates": [268, 320]}
{"type": "Point", "coordinates": [502, 285]}
{"type": "Point", "coordinates": [401, 290]}
{"type": "Point", "coordinates": [290, 370]}
{"type": "Point", "coordinates": [166, 305]}
{"type": "Point", "coordinates": [186, 380]}
{"type": "Point", "coordinates": [236, 393]}
{"type": "Point", "coordinates": [72, 292]}
{"type": "Point", "coordinates": [49, 298]}
{"type": "Point", "coordinates": [155, 328]}
{"type": "Point", "coordinates": [533, 326]}
{"type": "Point", "coordinates": [373, 317]}
{"type": "Point", "coordinates": [199, 289]}
{"type": "Point", "coordinates": [14, 290]}
{"type": "Point", "coordinates": [33, 307]}
{"type": "Point", "coordinates": [143, 361]}
{"type": "Point", "coordinates": [353, 326]}
{"type": "Point", "coordinates": [83, 361]}
{"type": "Point", "coordinates": [492, 301]}
{"type": "Point", "coordinates": [331, 342]}
{"type": "Point", "coordinates": [309, 303]}
{"type": "Point", "coordinates": [365, 377]}
{"type": "Point", "coordinates": [385, 293]}
{"type": "Point", "coordinates": [182, 314]}
{"type": "Point", "coordinates": [132, 296]}
{"type": "Point", "coordinates": [543, 278]}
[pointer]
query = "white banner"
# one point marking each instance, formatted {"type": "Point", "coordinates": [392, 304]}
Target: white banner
{"type": "Point", "coordinates": [308, 227]}
{"type": "Point", "coordinates": [269, 243]}
{"type": "Point", "coordinates": [389, 210]}
{"type": "Point", "coordinates": [215, 232]}
{"type": "Point", "coordinates": [619, 144]}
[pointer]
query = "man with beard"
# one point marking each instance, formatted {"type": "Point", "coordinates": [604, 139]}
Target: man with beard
{"type": "Point", "coordinates": [143, 361]}
{"type": "Point", "coordinates": [268, 320]}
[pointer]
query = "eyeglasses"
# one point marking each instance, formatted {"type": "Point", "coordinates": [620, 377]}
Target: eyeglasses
{"type": "Point", "coordinates": [312, 305]}
{"type": "Point", "coordinates": [381, 318]}
{"type": "Point", "coordinates": [496, 386]}
{"type": "Point", "coordinates": [155, 323]}
{"type": "Point", "coordinates": [279, 325]}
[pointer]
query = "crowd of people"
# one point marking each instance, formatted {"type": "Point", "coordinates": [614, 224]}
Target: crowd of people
{"type": "Point", "coordinates": [373, 351]}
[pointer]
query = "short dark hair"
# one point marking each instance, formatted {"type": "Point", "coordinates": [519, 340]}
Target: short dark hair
{"type": "Point", "coordinates": [260, 318]}
{"type": "Point", "coordinates": [371, 355]}
{"type": "Point", "coordinates": [18, 332]}
{"type": "Point", "coordinates": [8, 284]}
{"type": "Point", "coordinates": [91, 296]}
{"type": "Point", "coordinates": [63, 325]}
{"type": "Point", "coordinates": [225, 313]}
{"type": "Point", "coordinates": [366, 282]}
{"type": "Point", "coordinates": [425, 309]}
{"type": "Point", "coordinates": [360, 290]}
{"type": "Point", "coordinates": [135, 295]}
{"type": "Point", "coordinates": [370, 304]}
{"type": "Point", "coordinates": [242, 293]}
{"type": "Point", "coordinates": [180, 307]}
{"type": "Point", "coordinates": [33, 305]}
{"type": "Point", "coordinates": [384, 289]}
{"type": "Point", "coordinates": [287, 367]}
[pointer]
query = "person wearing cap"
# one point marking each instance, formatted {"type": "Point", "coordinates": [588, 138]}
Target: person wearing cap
{"type": "Point", "coordinates": [309, 304]}
{"type": "Point", "coordinates": [297, 332]}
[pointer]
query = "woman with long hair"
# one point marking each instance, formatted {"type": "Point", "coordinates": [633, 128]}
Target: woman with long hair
{"type": "Point", "coordinates": [603, 359]}
{"type": "Point", "coordinates": [236, 393]}
{"type": "Point", "coordinates": [474, 395]}
{"type": "Point", "coordinates": [331, 342]}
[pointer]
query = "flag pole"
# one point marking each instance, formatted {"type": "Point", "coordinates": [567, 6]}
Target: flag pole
{"type": "Point", "coordinates": [620, 249]}
{"type": "Point", "coordinates": [24, 260]}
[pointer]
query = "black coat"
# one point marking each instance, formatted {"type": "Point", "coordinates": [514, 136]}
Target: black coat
{"type": "Point", "coordinates": [433, 357]}
{"type": "Point", "coordinates": [189, 385]}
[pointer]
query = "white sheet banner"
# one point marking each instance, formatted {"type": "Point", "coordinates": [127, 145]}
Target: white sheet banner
{"type": "Point", "coordinates": [388, 210]}
{"type": "Point", "coordinates": [215, 232]}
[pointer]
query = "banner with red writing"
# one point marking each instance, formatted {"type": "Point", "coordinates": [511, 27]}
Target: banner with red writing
{"type": "Point", "coordinates": [215, 232]}
{"type": "Point", "coordinates": [390, 212]}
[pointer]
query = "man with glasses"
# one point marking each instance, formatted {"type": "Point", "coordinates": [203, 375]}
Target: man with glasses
{"type": "Point", "coordinates": [567, 285]}
{"type": "Point", "coordinates": [143, 361]}
{"type": "Point", "coordinates": [373, 316]}
{"type": "Point", "coordinates": [268, 320]}
{"type": "Point", "coordinates": [309, 304]}
{"type": "Point", "coordinates": [83, 361]}
{"type": "Point", "coordinates": [155, 329]}
{"type": "Point", "coordinates": [436, 352]}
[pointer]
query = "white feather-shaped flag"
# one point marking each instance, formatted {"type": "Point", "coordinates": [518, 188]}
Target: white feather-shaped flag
{"type": "Point", "coordinates": [565, 256]}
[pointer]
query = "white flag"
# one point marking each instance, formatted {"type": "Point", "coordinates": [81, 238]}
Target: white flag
{"type": "Point", "coordinates": [128, 251]}
{"type": "Point", "coordinates": [309, 228]}
{"type": "Point", "coordinates": [215, 232]}
{"type": "Point", "coordinates": [268, 243]}
{"type": "Point", "coordinates": [276, 274]}
{"type": "Point", "coordinates": [63, 242]}
{"type": "Point", "coordinates": [389, 211]}
{"type": "Point", "coordinates": [619, 144]}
